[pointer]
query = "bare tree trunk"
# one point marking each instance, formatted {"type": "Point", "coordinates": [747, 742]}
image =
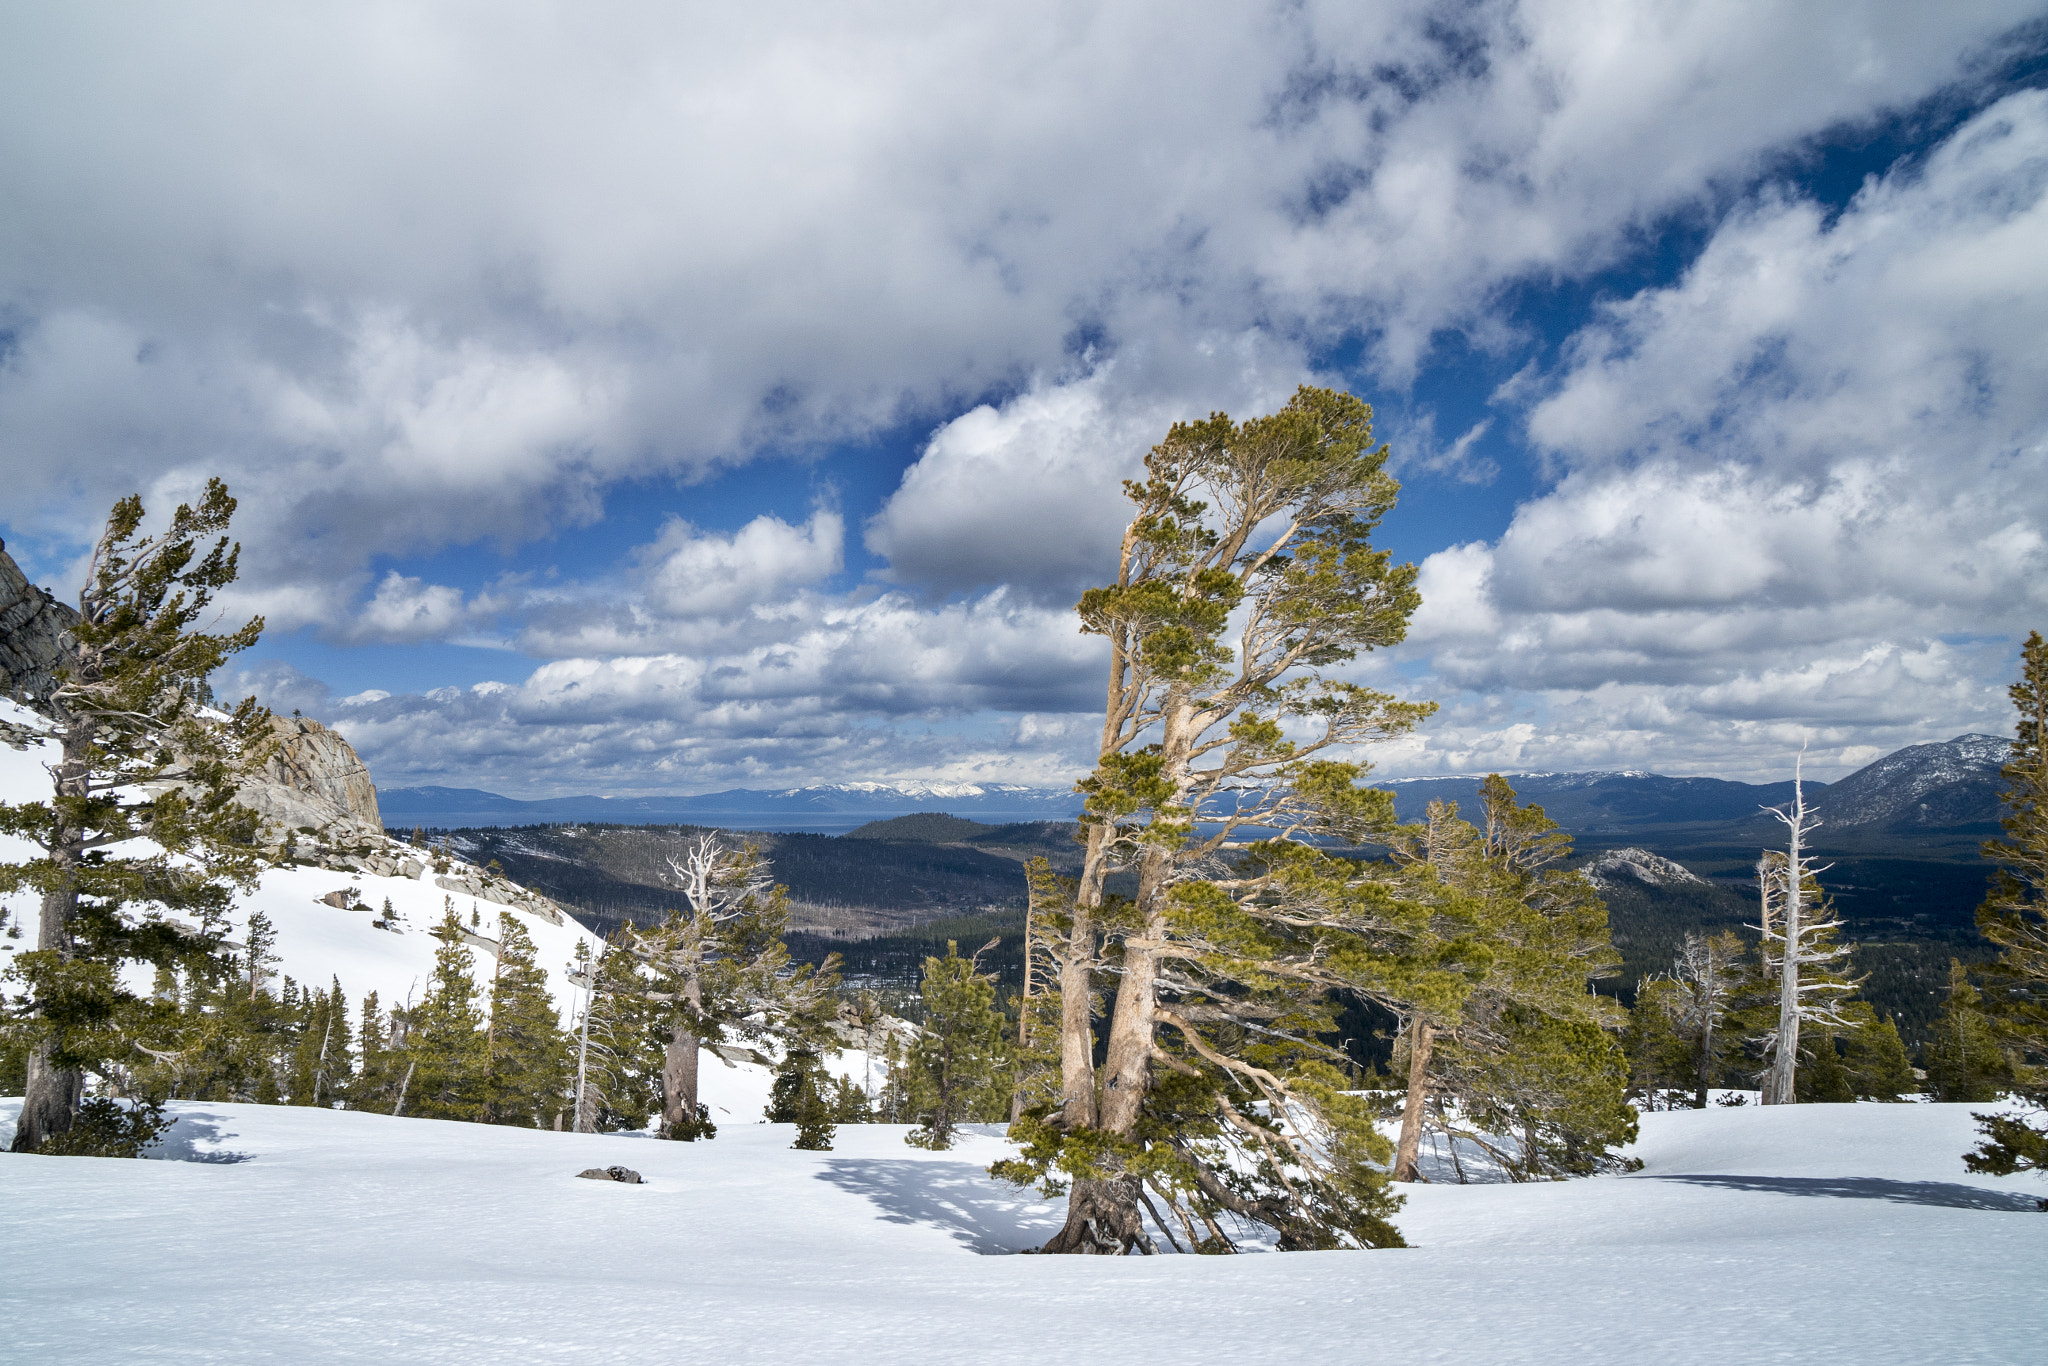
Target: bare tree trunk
{"type": "Point", "coordinates": [320, 1068]}
{"type": "Point", "coordinates": [679, 1066]}
{"type": "Point", "coordinates": [1699, 1099]}
{"type": "Point", "coordinates": [584, 1111]}
{"type": "Point", "coordinates": [1127, 1070]}
{"type": "Point", "coordinates": [1103, 1215]}
{"type": "Point", "coordinates": [1780, 1087]}
{"type": "Point", "coordinates": [1420, 1039]}
{"type": "Point", "coordinates": [1077, 987]}
{"type": "Point", "coordinates": [403, 1087]}
{"type": "Point", "coordinates": [1023, 1017]}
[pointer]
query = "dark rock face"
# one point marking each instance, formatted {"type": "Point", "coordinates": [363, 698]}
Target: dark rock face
{"type": "Point", "coordinates": [32, 625]}
{"type": "Point", "coordinates": [623, 1175]}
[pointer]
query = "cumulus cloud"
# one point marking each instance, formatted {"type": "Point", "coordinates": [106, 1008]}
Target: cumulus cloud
{"type": "Point", "coordinates": [879, 689]}
{"type": "Point", "coordinates": [422, 276]}
{"type": "Point", "coordinates": [416, 277]}
{"type": "Point", "coordinates": [1795, 477]}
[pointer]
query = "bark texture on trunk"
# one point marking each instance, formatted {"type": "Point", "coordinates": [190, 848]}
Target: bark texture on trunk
{"type": "Point", "coordinates": [1699, 1099]}
{"type": "Point", "coordinates": [1102, 1220]}
{"type": "Point", "coordinates": [679, 1067]}
{"type": "Point", "coordinates": [1127, 1070]}
{"type": "Point", "coordinates": [50, 1102]}
{"type": "Point", "coordinates": [52, 1095]}
{"type": "Point", "coordinates": [1420, 1039]}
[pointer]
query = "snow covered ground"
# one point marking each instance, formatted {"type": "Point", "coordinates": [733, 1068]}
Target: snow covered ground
{"type": "Point", "coordinates": [1818, 1233]}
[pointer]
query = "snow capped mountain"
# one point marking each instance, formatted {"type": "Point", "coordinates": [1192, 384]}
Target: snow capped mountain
{"type": "Point", "coordinates": [1950, 783]}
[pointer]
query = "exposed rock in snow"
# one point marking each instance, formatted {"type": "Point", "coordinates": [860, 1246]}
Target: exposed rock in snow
{"type": "Point", "coordinates": [314, 779]}
{"type": "Point", "coordinates": [624, 1175]}
{"type": "Point", "coordinates": [1640, 864]}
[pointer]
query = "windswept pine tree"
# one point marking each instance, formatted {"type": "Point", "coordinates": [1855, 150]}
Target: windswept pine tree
{"type": "Point", "coordinates": [2015, 917]}
{"type": "Point", "coordinates": [1246, 575]}
{"type": "Point", "coordinates": [1489, 959]}
{"type": "Point", "coordinates": [138, 760]}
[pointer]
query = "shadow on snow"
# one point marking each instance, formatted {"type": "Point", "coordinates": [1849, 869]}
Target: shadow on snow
{"type": "Point", "coordinates": [1950, 1194]}
{"type": "Point", "coordinates": [959, 1197]}
{"type": "Point", "coordinates": [182, 1141]}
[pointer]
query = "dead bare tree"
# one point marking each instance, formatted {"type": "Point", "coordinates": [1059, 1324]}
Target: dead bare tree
{"type": "Point", "coordinates": [1794, 941]}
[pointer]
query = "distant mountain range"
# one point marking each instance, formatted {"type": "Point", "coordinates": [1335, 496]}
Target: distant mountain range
{"type": "Point", "coordinates": [1945, 789]}
{"type": "Point", "coordinates": [825, 809]}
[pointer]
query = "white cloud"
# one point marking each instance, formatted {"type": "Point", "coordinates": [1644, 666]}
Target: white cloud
{"type": "Point", "coordinates": [418, 276]}
{"type": "Point", "coordinates": [873, 690]}
{"type": "Point", "coordinates": [1792, 476]}
{"type": "Point", "coordinates": [694, 574]}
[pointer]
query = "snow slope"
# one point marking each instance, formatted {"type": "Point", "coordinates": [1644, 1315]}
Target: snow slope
{"type": "Point", "coordinates": [318, 942]}
{"type": "Point", "coordinates": [1819, 1233]}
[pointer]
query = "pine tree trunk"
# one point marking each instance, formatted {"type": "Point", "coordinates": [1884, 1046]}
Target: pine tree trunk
{"type": "Point", "coordinates": [1102, 1220]}
{"type": "Point", "coordinates": [52, 1095]}
{"type": "Point", "coordinates": [679, 1066]}
{"type": "Point", "coordinates": [1127, 1070]}
{"type": "Point", "coordinates": [1699, 1099]}
{"type": "Point", "coordinates": [1407, 1152]}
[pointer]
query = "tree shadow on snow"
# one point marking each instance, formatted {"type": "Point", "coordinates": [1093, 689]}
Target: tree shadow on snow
{"type": "Point", "coordinates": [961, 1198]}
{"type": "Point", "coordinates": [182, 1142]}
{"type": "Point", "coordinates": [1948, 1194]}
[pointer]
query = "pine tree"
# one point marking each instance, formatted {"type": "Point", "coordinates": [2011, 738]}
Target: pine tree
{"type": "Point", "coordinates": [444, 1051]}
{"type": "Point", "coordinates": [959, 1066]}
{"type": "Point", "coordinates": [2015, 917]}
{"type": "Point", "coordinates": [1964, 1061]}
{"type": "Point", "coordinates": [621, 1042]}
{"type": "Point", "coordinates": [801, 1094]}
{"type": "Point", "coordinates": [718, 970]}
{"type": "Point", "coordinates": [528, 1054]}
{"type": "Point", "coordinates": [322, 1061]}
{"type": "Point", "coordinates": [1222, 718]}
{"type": "Point", "coordinates": [139, 760]}
{"type": "Point", "coordinates": [1492, 962]}
{"type": "Point", "coordinates": [1875, 1055]}
{"type": "Point", "coordinates": [1661, 1060]}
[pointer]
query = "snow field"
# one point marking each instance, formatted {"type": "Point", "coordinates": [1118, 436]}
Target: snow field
{"type": "Point", "coordinates": [1816, 1233]}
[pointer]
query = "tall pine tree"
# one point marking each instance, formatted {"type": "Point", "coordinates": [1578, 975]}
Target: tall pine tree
{"type": "Point", "coordinates": [2015, 917]}
{"type": "Point", "coordinates": [445, 1052]}
{"type": "Point", "coordinates": [138, 760]}
{"type": "Point", "coordinates": [527, 1052]}
{"type": "Point", "coordinates": [958, 1070]}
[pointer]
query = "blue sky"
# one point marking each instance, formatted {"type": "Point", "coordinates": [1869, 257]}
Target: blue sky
{"type": "Point", "coordinates": [661, 399]}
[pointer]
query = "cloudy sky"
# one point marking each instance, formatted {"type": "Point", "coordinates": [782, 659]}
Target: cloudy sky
{"type": "Point", "coordinates": [642, 398]}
